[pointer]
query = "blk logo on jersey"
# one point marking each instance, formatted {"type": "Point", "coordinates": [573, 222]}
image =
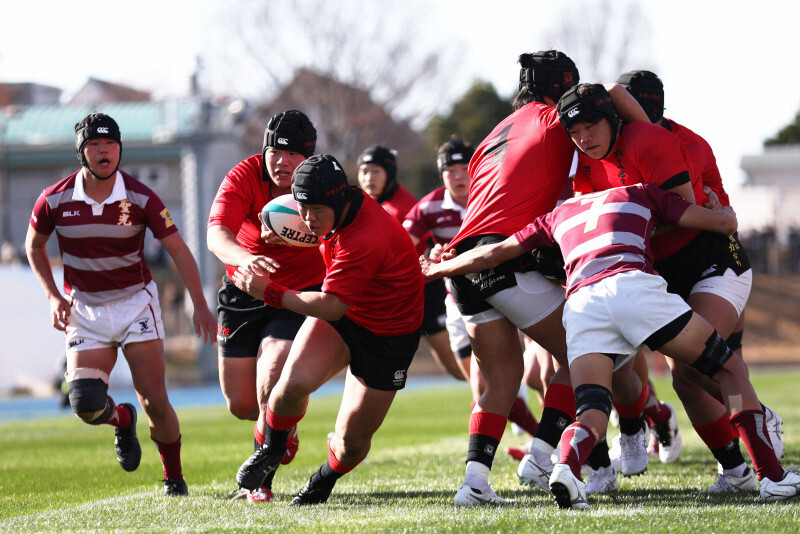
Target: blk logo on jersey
{"type": "Point", "coordinates": [76, 342]}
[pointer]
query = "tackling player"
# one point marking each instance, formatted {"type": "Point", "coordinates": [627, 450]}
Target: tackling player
{"type": "Point", "coordinates": [708, 297]}
{"type": "Point", "coordinates": [604, 238]}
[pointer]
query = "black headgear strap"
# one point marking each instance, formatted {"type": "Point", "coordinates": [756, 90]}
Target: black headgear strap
{"type": "Point", "coordinates": [96, 126]}
{"type": "Point", "coordinates": [589, 103]}
{"type": "Point", "coordinates": [385, 158]}
{"type": "Point", "coordinates": [291, 131]}
{"type": "Point", "coordinates": [321, 180]}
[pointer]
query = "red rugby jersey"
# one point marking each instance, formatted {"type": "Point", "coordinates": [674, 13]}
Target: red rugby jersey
{"type": "Point", "coordinates": [372, 266]}
{"type": "Point", "coordinates": [605, 233]}
{"type": "Point", "coordinates": [102, 248]}
{"type": "Point", "coordinates": [237, 205]}
{"type": "Point", "coordinates": [517, 172]}
{"type": "Point", "coordinates": [643, 153]}
{"type": "Point", "coordinates": [702, 158]}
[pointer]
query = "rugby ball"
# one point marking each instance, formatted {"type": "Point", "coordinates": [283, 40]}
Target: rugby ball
{"type": "Point", "coordinates": [281, 216]}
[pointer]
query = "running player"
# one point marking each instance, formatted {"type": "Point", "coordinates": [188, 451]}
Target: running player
{"type": "Point", "coordinates": [366, 319]}
{"type": "Point", "coordinates": [100, 215]}
{"type": "Point", "coordinates": [255, 338]}
{"type": "Point", "coordinates": [605, 238]}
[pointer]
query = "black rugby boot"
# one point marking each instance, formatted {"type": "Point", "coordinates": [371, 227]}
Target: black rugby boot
{"type": "Point", "coordinates": [314, 492]}
{"type": "Point", "coordinates": [126, 444]}
{"type": "Point", "coordinates": [175, 487]}
{"type": "Point", "coordinates": [256, 468]}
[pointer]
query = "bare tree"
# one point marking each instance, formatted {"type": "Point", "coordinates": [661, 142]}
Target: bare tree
{"type": "Point", "coordinates": [383, 49]}
{"type": "Point", "coordinates": [605, 38]}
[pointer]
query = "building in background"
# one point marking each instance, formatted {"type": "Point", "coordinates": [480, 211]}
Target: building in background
{"type": "Point", "coordinates": [768, 208]}
{"type": "Point", "coordinates": [180, 148]}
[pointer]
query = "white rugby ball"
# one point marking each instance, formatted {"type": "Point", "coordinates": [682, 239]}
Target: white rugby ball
{"type": "Point", "coordinates": [281, 216]}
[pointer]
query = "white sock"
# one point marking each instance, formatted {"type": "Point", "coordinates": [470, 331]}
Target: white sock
{"type": "Point", "coordinates": [477, 475]}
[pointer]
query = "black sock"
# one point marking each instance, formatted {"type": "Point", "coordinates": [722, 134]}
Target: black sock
{"type": "Point", "coordinates": [552, 425]}
{"type": "Point", "coordinates": [482, 449]}
{"type": "Point", "coordinates": [599, 456]}
{"type": "Point", "coordinates": [729, 456]}
{"type": "Point", "coordinates": [631, 426]}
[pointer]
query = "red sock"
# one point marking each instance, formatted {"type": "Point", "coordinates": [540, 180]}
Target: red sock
{"type": "Point", "coordinates": [634, 409]}
{"type": "Point", "coordinates": [655, 412]}
{"type": "Point", "coordinates": [577, 443]}
{"type": "Point", "coordinates": [488, 424]}
{"type": "Point", "coordinates": [337, 466]}
{"type": "Point", "coordinates": [716, 434]}
{"type": "Point", "coordinates": [258, 435]}
{"type": "Point", "coordinates": [522, 416]}
{"type": "Point", "coordinates": [560, 397]}
{"type": "Point", "coordinates": [171, 458]}
{"type": "Point", "coordinates": [752, 428]}
{"type": "Point", "coordinates": [282, 423]}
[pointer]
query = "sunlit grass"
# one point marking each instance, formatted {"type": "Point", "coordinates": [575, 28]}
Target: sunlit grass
{"type": "Point", "coordinates": [60, 475]}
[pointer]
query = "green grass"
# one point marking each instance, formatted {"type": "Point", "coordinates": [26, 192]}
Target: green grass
{"type": "Point", "coordinates": [60, 475]}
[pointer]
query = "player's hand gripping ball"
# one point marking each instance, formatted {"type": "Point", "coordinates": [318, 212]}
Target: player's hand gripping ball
{"type": "Point", "coordinates": [281, 217]}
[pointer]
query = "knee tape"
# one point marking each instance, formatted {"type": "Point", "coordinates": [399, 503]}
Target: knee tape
{"type": "Point", "coordinates": [89, 394]}
{"type": "Point", "coordinates": [734, 340]}
{"type": "Point", "coordinates": [592, 397]}
{"type": "Point", "coordinates": [714, 356]}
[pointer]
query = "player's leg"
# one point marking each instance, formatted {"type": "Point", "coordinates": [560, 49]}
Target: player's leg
{"type": "Point", "coordinates": [378, 369]}
{"type": "Point", "coordinates": [592, 375]}
{"type": "Point", "coordinates": [717, 361]}
{"type": "Point", "coordinates": [316, 355]}
{"type": "Point", "coordinates": [91, 355]}
{"type": "Point", "coordinates": [434, 327]}
{"type": "Point", "coordinates": [237, 379]}
{"type": "Point", "coordinates": [146, 361]}
{"type": "Point", "coordinates": [498, 356]}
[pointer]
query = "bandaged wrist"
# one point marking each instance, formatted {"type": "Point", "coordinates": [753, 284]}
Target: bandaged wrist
{"type": "Point", "coordinates": [273, 295]}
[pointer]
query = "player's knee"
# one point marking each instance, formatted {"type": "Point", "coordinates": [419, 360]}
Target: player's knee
{"type": "Point", "coordinates": [88, 395]}
{"type": "Point", "coordinates": [714, 355]}
{"type": "Point", "coordinates": [734, 341]}
{"type": "Point", "coordinates": [592, 397]}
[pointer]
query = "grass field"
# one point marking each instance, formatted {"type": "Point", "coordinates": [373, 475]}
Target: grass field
{"type": "Point", "coordinates": [61, 476]}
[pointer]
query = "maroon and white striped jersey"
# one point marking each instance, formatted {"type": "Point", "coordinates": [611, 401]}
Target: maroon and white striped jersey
{"type": "Point", "coordinates": [605, 233]}
{"type": "Point", "coordinates": [102, 245]}
{"type": "Point", "coordinates": [435, 213]}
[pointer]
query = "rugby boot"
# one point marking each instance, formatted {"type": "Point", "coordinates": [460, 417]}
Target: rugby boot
{"type": "Point", "coordinates": [175, 487]}
{"type": "Point", "coordinates": [256, 468]}
{"type": "Point", "coordinates": [314, 492]}
{"type": "Point", "coordinates": [126, 443]}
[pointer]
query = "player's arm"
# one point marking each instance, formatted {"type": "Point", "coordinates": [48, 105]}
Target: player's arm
{"type": "Point", "coordinates": [722, 220]}
{"type": "Point", "coordinates": [36, 250]}
{"type": "Point", "coordinates": [472, 261]}
{"type": "Point", "coordinates": [325, 306]}
{"type": "Point", "coordinates": [222, 243]}
{"type": "Point", "coordinates": [205, 324]}
{"type": "Point", "coordinates": [627, 106]}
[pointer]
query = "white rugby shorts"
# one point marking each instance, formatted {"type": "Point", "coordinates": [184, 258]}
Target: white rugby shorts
{"type": "Point", "coordinates": [114, 324]}
{"type": "Point", "coordinates": [730, 286]}
{"type": "Point", "coordinates": [456, 329]}
{"type": "Point", "coordinates": [617, 314]}
{"type": "Point", "coordinates": [531, 300]}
